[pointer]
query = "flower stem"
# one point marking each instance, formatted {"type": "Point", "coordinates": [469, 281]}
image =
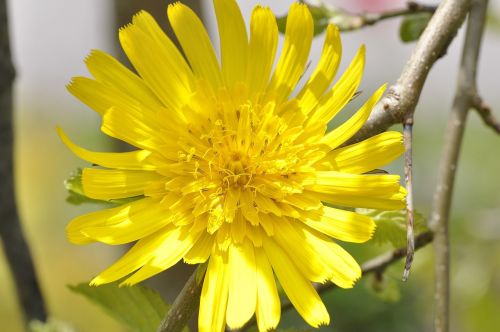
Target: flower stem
{"type": "Point", "coordinates": [184, 306]}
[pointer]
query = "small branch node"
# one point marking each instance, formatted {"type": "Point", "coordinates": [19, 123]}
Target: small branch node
{"type": "Point", "coordinates": [410, 237]}
{"type": "Point", "coordinates": [484, 111]}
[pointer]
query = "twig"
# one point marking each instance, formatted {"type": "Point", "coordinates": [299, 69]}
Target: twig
{"type": "Point", "coordinates": [349, 22]}
{"type": "Point", "coordinates": [432, 44]}
{"type": "Point", "coordinates": [380, 263]}
{"type": "Point", "coordinates": [14, 244]}
{"type": "Point", "coordinates": [466, 87]}
{"type": "Point", "coordinates": [410, 237]}
{"type": "Point", "coordinates": [374, 265]}
{"type": "Point", "coordinates": [485, 113]}
{"type": "Point", "coordinates": [183, 307]}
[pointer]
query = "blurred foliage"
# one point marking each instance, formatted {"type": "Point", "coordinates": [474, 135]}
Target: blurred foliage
{"type": "Point", "coordinates": [52, 325]}
{"type": "Point", "coordinates": [413, 25]}
{"type": "Point", "coordinates": [391, 226]}
{"type": "Point", "coordinates": [493, 20]}
{"type": "Point", "coordinates": [383, 287]}
{"type": "Point", "coordinates": [138, 307]}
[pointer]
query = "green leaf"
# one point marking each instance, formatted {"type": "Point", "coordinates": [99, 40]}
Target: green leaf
{"type": "Point", "coordinates": [73, 185]}
{"type": "Point", "coordinates": [322, 13]}
{"type": "Point", "coordinates": [391, 226]}
{"type": "Point", "coordinates": [383, 287]}
{"type": "Point", "coordinates": [413, 25]}
{"type": "Point", "coordinates": [138, 307]}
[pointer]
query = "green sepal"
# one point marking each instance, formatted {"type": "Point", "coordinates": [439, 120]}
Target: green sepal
{"type": "Point", "coordinates": [73, 185]}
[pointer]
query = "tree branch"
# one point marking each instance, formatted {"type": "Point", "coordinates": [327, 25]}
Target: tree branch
{"type": "Point", "coordinates": [380, 263]}
{"type": "Point", "coordinates": [466, 87]}
{"type": "Point", "coordinates": [183, 307]}
{"type": "Point", "coordinates": [349, 22]}
{"type": "Point", "coordinates": [14, 244]}
{"type": "Point", "coordinates": [403, 96]}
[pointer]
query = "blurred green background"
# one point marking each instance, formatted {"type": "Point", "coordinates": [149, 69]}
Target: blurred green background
{"type": "Point", "coordinates": [50, 40]}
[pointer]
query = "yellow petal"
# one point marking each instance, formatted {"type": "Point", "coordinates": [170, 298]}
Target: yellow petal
{"type": "Point", "coordinates": [298, 289]}
{"type": "Point", "coordinates": [247, 207]}
{"type": "Point", "coordinates": [100, 97]}
{"type": "Point", "coordinates": [293, 59]}
{"type": "Point", "coordinates": [201, 250]}
{"type": "Point", "coordinates": [342, 91]}
{"type": "Point", "coordinates": [306, 258]}
{"type": "Point", "coordinates": [262, 48]}
{"type": "Point", "coordinates": [158, 62]}
{"type": "Point", "coordinates": [127, 127]}
{"type": "Point", "coordinates": [113, 184]}
{"type": "Point", "coordinates": [195, 43]}
{"type": "Point", "coordinates": [214, 294]}
{"type": "Point", "coordinates": [352, 184]}
{"type": "Point", "coordinates": [171, 251]}
{"type": "Point", "coordinates": [268, 301]}
{"type": "Point", "coordinates": [391, 201]}
{"type": "Point", "coordinates": [126, 223]}
{"type": "Point", "coordinates": [345, 131]}
{"type": "Point", "coordinates": [110, 71]}
{"type": "Point", "coordinates": [343, 225]}
{"type": "Point", "coordinates": [325, 71]}
{"type": "Point", "coordinates": [233, 41]}
{"type": "Point", "coordinates": [242, 284]}
{"type": "Point", "coordinates": [345, 269]}
{"type": "Point", "coordinates": [143, 251]}
{"type": "Point", "coordinates": [367, 155]}
{"type": "Point", "coordinates": [134, 160]}
{"type": "Point", "coordinates": [267, 205]}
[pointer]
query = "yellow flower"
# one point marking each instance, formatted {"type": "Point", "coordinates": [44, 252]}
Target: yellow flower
{"type": "Point", "coordinates": [230, 167]}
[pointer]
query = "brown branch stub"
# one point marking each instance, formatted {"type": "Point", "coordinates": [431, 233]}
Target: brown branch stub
{"type": "Point", "coordinates": [410, 237]}
{"type": "Point", "coordinates": [485, 113]}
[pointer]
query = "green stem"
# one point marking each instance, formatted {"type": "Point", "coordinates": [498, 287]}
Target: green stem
{"type": "Point", "coordinates": [184, 306]}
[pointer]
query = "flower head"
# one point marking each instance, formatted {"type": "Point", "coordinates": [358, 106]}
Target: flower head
{"type": "Point", "coordinates": [230, 167]}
